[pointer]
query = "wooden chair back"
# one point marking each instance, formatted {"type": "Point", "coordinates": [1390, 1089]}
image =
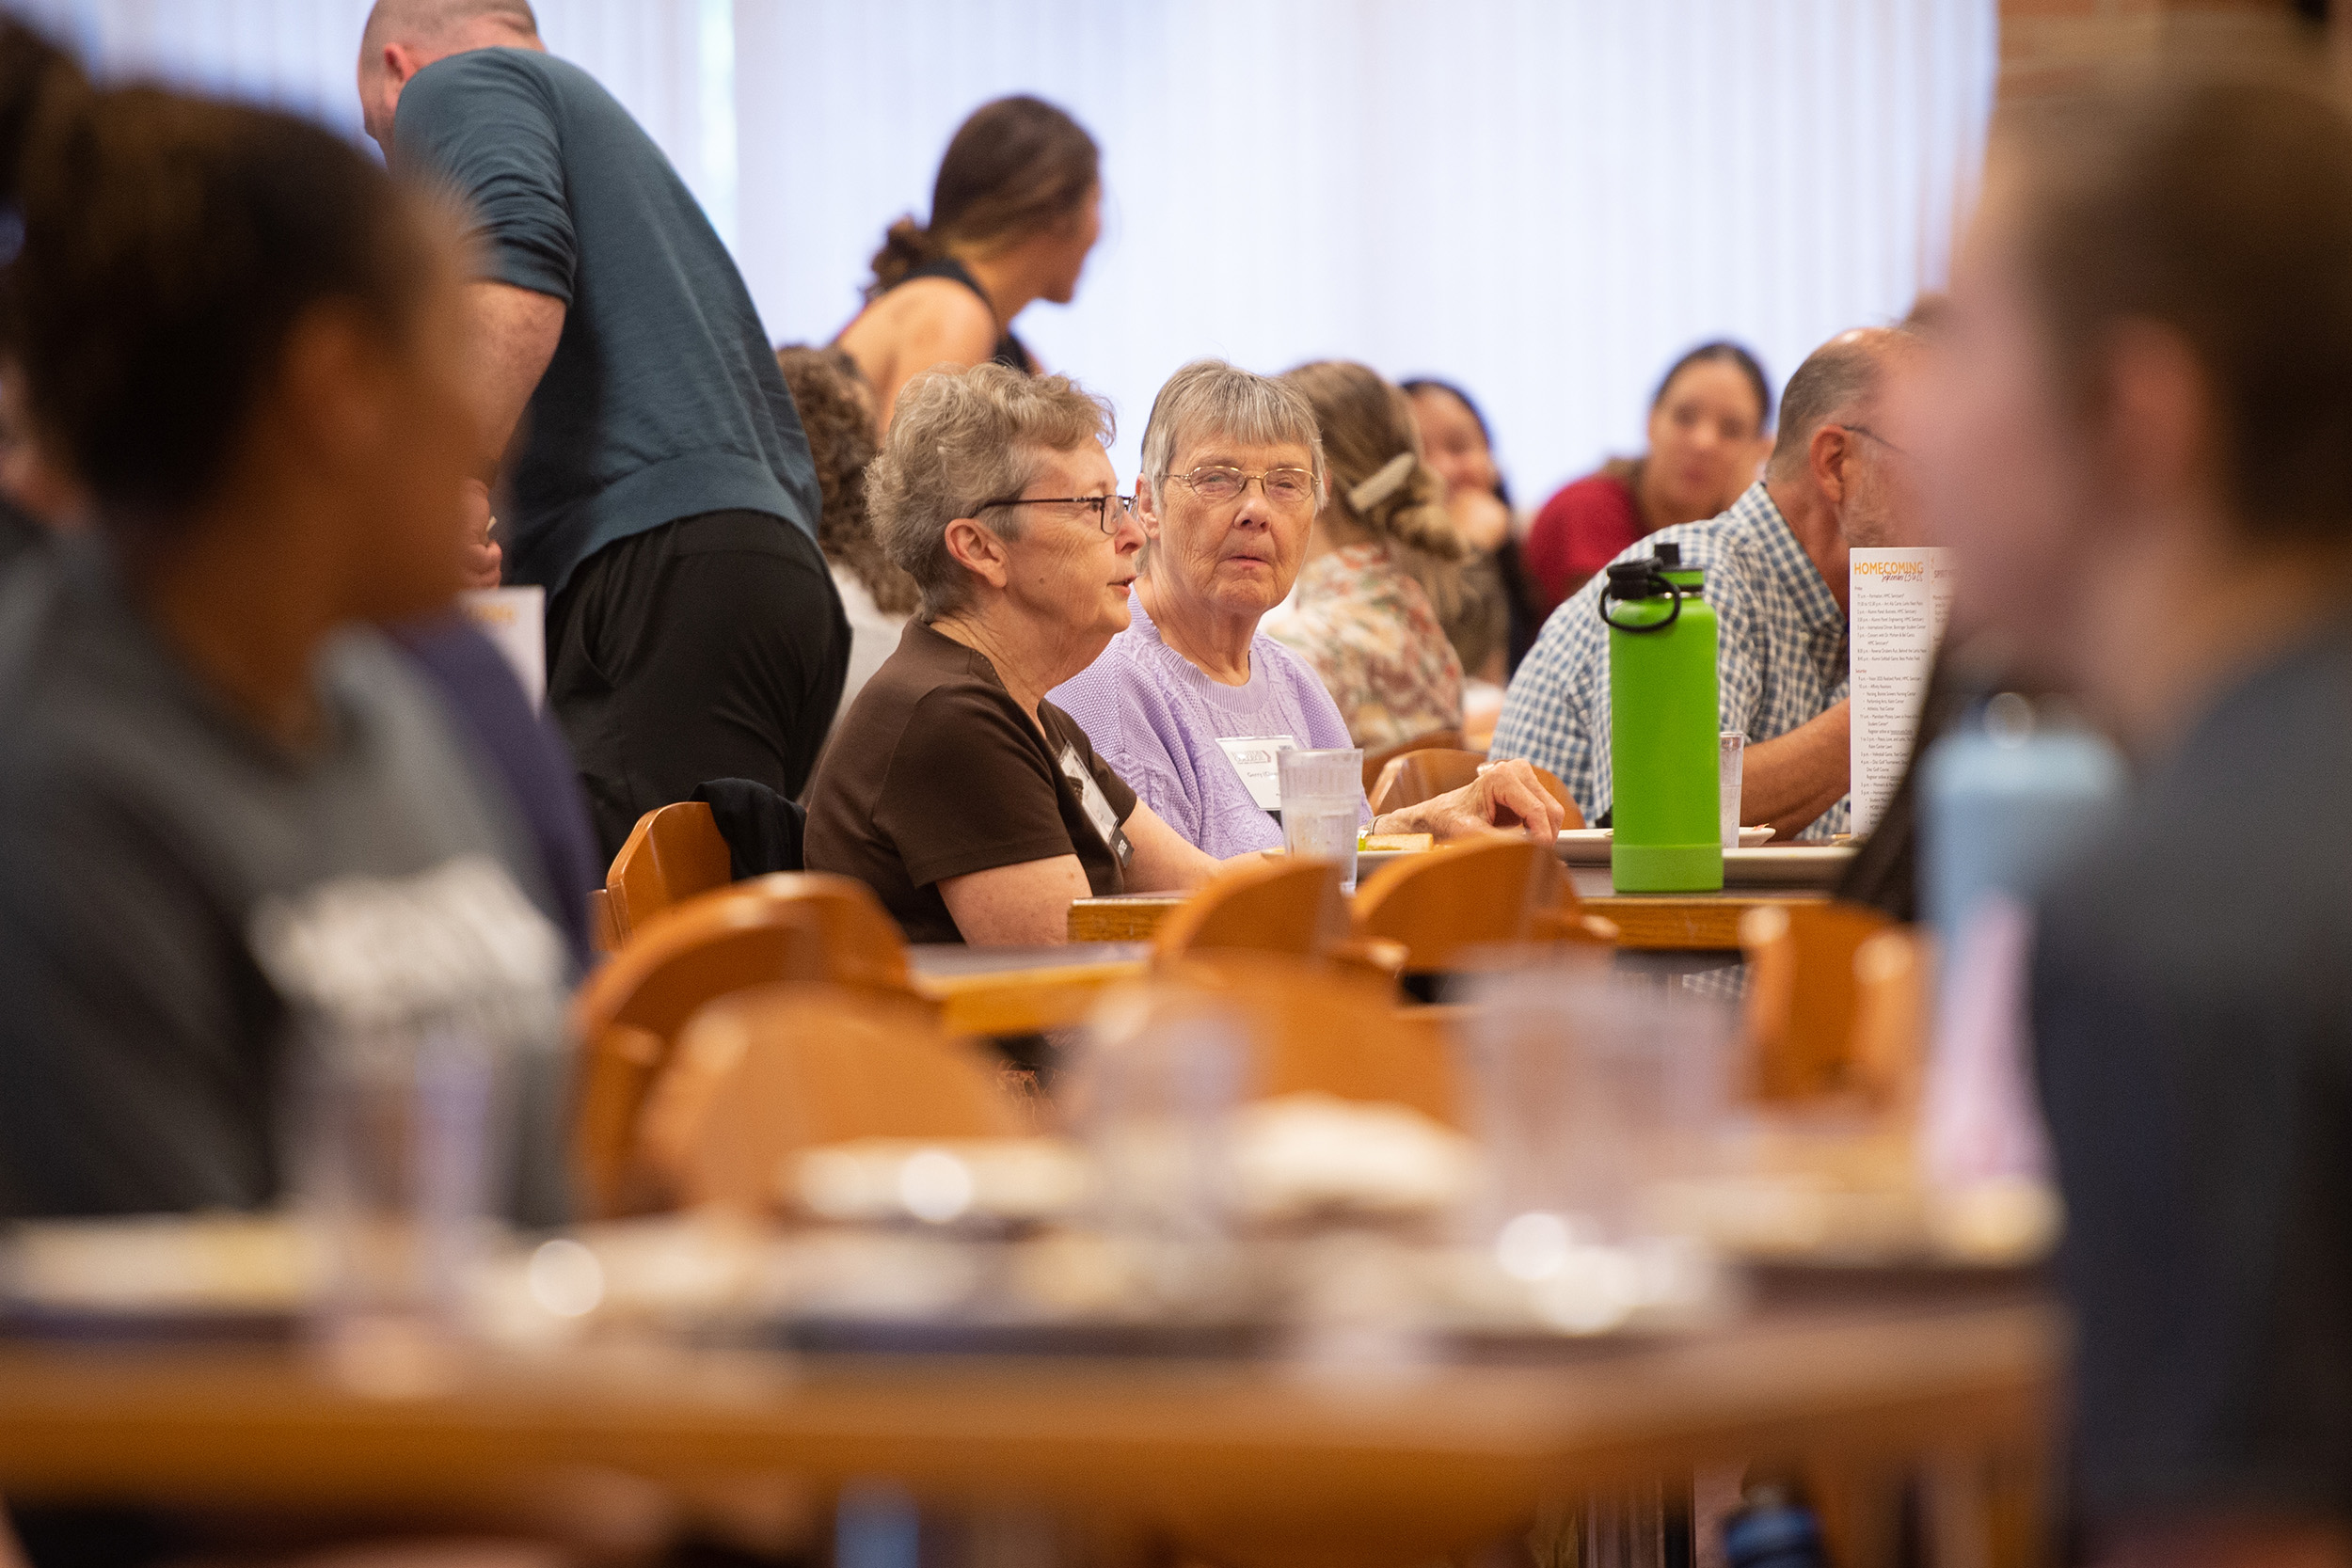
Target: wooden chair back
{"type": "Point", "coordinates": [1443, 904]}
{"type": "Point", "coordinates": [674, 853]}
{"type": "Point", "coordinates": [1418, 776]}
{"type": "Point", "coordinates": [1275, 906]}
{"type": "Point", "coordinates": [1445, 740]}
{"type": "Point", "coordinates": [604, 936]}
{"type": "Point", "coordinates": [1892, 985]}
{"type": "Point", "coordinates": [626, 1016]}
{"type": "Point", "coordinates": [764, 1073]}
{"type": "Point", "coordinates": [1330, 1028]}
{"type": "Point", "coordinates": [1801, 996]}
{"type": "Point", "coordinates": [863, 945]}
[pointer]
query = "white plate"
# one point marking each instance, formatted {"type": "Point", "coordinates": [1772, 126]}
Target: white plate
{"type": "Point", "coordinates": [1590, 846]}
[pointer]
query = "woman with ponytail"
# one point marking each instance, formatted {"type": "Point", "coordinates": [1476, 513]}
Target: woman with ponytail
{"type": "Point", "coordinates": [1383, 565]}
{"type": "Point", "coordinates": [1015, 211]}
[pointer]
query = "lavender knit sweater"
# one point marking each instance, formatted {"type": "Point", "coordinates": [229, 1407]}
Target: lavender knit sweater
{"type": "Point", "coordinates": [1155, 720]}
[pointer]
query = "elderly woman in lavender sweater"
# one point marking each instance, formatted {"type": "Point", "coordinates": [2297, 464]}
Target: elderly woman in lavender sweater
{"type": "Point", "coordinates": [1189, 703]}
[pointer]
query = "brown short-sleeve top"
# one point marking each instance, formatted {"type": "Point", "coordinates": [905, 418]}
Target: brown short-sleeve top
{"type": "Point", "coordinates": [934, 772]}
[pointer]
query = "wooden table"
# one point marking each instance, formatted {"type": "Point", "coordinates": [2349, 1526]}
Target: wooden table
{"type": "Point", "coordinates": [1301, 1461]}
{"type": "Point", "coordinates": [1696, 922]}
{"type": "Point", "coordinates": [1021, 990]}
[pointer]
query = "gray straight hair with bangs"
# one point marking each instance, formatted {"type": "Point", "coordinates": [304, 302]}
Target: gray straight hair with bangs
{"type": "Point", "coordinates": [1211, 397]}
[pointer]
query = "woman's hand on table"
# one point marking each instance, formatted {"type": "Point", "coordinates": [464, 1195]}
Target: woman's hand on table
{"type": "Point", "coordinates": [1504, 795]}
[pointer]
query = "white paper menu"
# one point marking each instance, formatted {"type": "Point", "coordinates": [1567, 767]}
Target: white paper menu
{"type": "Point", "coordinates": [1897, 601]}
{"type": "Point", "coordinates": [516, 619]}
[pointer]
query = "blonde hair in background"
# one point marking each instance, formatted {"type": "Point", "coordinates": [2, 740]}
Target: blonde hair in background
{"type": "Point", "coordinates": [958, 440]}
{"type": "Point", "coordinates": [1380, 486]}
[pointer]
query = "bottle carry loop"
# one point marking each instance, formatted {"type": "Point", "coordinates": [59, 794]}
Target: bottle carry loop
{"type": "Point", "coordinates": [1639, 579]}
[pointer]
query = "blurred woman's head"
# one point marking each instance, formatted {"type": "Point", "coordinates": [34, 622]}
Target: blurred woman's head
{"type": "Point", "coordinates": [1018, 171]}
{"type": "Point", "coordinates": [2150, 322]}
{"type": "Point", "coordinates": [226, 313]}
{"type": "Point", "coordinates": [1707, 424]}
{"type": "Point", "coordinates": [1381, 487]}
{"type": "Point", "coordinates": [838, 414]}
{"type": "Point", "coordinates": [1455, 438]}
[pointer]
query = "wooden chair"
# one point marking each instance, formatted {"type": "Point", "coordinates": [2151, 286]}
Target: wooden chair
{"type": "Point", "coordinates": [672, 854]}
{"type": "Point", "coordinates": [1418, 776]}
{"type": "Point", "coordinates": [763, 1073]}
{"type": "Point", "coordinates": [1448, 740]}
{"type": "Point", "coordinates": [1275, 906]}
{"type": "Point", "coordinates": [1892, 986]}
{"type": "Point", "coordinates": [604, 936]}
{"type": "Point", "coordinates": [627, 1015]}
{"type": "Point", "coordinates": [863, 945]}
{"type": "Point", "coordinates": [1328, 1027]}
{"type": "Point", "coordinates": [1802, 996]}
{"type": "Point", "coordinates": [1443, 904]}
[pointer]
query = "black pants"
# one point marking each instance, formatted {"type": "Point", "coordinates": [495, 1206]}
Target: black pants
{"type": "Point", "coordinates": [712, 647]}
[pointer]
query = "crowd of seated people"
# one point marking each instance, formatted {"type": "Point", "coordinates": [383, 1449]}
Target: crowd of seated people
{"type": "Point", "coordinates": [257, 387]}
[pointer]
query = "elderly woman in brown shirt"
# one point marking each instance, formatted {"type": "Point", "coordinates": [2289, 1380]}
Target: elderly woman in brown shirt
{"type": "Point", "coordinates": [974, 809]}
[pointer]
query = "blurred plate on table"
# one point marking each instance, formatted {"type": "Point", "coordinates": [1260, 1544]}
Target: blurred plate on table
{"type": "Point", "coordinates": [210, 1275]}
{"type": "Point", "coordinates": [1590, 846]}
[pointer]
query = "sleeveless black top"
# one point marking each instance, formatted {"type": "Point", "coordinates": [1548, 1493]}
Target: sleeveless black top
{"type": "Point", "coordinates": [1010, 352]}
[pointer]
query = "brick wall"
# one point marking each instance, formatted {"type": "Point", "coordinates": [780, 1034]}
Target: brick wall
{"type": "Point", "coordinates": [2047, 45]}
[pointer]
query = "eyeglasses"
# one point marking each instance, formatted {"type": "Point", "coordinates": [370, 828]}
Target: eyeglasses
{"type": "Point", "coordinates": [1109, 510]}
{"type": "Point", "coordinates": [1287, 488]}
{"type": "Point", "coordinates": [1867, 434]}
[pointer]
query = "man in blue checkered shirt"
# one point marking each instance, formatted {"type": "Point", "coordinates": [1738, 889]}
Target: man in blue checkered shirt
{"type": "Point", "coordinates": [1839, 479]}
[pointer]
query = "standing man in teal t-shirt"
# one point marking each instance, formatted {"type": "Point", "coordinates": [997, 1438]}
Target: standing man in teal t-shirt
{"type": "Point", "coordinates": [652, 473]}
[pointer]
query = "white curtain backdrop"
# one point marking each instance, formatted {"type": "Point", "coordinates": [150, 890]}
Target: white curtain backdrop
{"type": "Point", "coordinates": [1543, 200]}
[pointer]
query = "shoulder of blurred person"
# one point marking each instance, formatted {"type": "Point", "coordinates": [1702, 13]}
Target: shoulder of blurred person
{"type": "Point", "coordinates": [1157, 721]}
{"type": "Point", "coordinates": [2192, 1010]}
{"type": "Point", "coordinates": [1371, 635]}
{"type": "Point", "coordinates": [1583, 527]}
{"type": "Point", "coordinates": [1780, 652]}
{"type": "Point", "coordinates": [935, 772]}
{"type": "Point", "coordinates": [150, 830]}
{"type": "Point", "coordinates": [526, 752]}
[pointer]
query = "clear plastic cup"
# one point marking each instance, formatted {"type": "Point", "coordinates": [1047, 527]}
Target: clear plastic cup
{"type": "Point", "coordinates": [401, 1145]}
{"type": "Point", "coordinates": [1322, 796]}
{"type": "Point", "coordinates": [1595, 1099]}
{"type": "Point", "coordinates": [1735, 745]}
{"type": "Point", "coordinates": [1151, 1090]}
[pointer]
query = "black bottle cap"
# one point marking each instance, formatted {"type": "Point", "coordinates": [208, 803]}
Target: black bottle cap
{"type": "Point", "coordinates": [1668, 555]}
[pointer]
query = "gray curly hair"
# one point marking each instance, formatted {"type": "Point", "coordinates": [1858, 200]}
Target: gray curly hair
{"type": "Point", "coordinates": [958, 440]}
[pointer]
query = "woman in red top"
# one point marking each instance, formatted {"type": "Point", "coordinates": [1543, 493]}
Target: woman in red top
{"type": "Point", "coordinates": [1706, 438]}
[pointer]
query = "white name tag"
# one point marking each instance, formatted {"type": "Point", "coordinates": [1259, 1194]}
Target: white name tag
{"type": "Point", "coordinates": [1097, 806]}
{"type": "Point", "coordinates": [1255, 758]}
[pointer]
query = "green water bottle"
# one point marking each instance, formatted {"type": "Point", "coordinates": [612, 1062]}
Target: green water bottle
{"type": "Point", "coordinates": [1666, 755]}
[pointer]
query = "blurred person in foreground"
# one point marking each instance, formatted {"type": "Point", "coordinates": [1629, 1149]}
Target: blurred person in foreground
{"type": "Point", "coordinates": [1232, 479]}
{"type": "Point", "coordinates": [837, 409]}
{"type": "Point", "coordinates": [1840, 478]}
{"type": "Point", "coordinates": [973, 808]}
{"type": "Point", "coordinates": [2144, 458]}
{"type": "Point", "coordinates": [1707, 434]}
{"type": "Point", "coordinates": [1495, 626]}
{"type": "Point", "coordinates": [233, 811]}
{"type": "Point", "coordinates": [1015, 210]}
{"type": "Point", "coordinates": [653, 475]}
{"type": "Point", "coordinates": [1383, 565]}
{"type": "Point", "coordinates": [36, 501]}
